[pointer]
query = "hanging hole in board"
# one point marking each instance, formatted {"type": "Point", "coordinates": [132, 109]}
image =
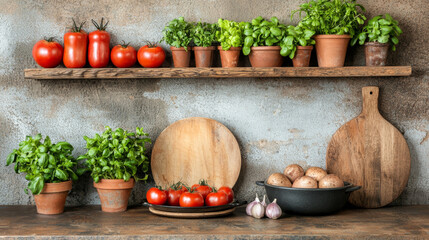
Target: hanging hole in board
{"type": "Point", "coordinates": [370, 93]}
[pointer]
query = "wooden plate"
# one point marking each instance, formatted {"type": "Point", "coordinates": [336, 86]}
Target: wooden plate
{"type": "Point", "coordinates": [192, 215]}
{"type": "Point", "coordinates": [193, 149]}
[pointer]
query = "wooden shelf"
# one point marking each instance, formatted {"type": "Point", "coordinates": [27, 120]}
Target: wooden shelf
{"type": "Point", "coordinates": [240, 72]}
{"type": "Point", "coordinates": [88, 222]}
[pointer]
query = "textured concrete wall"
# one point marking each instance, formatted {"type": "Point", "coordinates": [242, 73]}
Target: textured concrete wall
{"type": "Point", "coordinates": [276, 121]}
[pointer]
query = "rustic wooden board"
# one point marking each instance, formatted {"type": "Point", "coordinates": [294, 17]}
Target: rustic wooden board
{"type": "Point", "coordinates": [239, 72]}
{"type": "Point", "coordinates": [193, 149]}
{"type": "Point", "coordinates": [192, 215]}
{"type": "Point", "coordinates": [370, 152]}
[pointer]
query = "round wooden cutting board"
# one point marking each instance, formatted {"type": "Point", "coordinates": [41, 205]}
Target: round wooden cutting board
{"type": "Point", "coordinates": [193, 149]}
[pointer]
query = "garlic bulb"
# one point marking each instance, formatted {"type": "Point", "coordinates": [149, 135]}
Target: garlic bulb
{"type": "Point", "coordinates": [258, 210]}
{"type": "Point", "coordinates": [250, 205]}
{"type": "Point", "coordinates": [273, 210]}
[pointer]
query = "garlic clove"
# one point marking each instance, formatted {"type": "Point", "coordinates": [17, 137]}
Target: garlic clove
{"type": "Point", "coordinates": [250, 205]}
{"type": "Point", "coordinates": [273, 210]}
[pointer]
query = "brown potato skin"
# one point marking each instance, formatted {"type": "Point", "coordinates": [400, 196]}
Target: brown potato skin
{"type": "Point", "coordinates": [331, 181]}
{"type": "Point", "coordinates": [305, 182]}
{"type": "Point", "coordinates": [279, 179]}
{"type": "Point", "coordinates": [293, 172]}
{"type": "Point", "coordinates": [316, 173]}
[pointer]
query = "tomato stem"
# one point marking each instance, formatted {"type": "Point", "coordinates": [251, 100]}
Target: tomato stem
{"type": "Point", "coordinates": [75, 28]}
{"type": "Point", "coordinates": [125, 45]}
{"type": "Point", "coordinates": [152, 44]}
{"type": "Point", "coordinates": [50, 39]}
{"type": "Point", "coordinates": [101, 26]}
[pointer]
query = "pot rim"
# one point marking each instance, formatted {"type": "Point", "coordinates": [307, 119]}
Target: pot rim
{"type": "Point", "coordinates": [230, 49]}
{"type": "Point", "coordinates": [331, 36]}
{"type": "Point", "coordinates": [305, 47]}
{"type": "Point", "coordinates": [376, 44]}
{"type": "Point", "coordinates": [346, 185]}
{"type": "Point", "coordinates": [199, 48]}
{"type": "Point", "coordinates": [265, 48]}
{"type": "Point", "coordinates": [179, 49]}
{"type": "Point", "coordinates": [114, 184]}
{"type": "Point", "coordinates": [57, 187]}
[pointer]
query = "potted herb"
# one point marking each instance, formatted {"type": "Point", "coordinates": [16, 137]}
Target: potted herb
{"type": "Point", "coordinates": [49, 168]}
{"type": "Point", "coordinates": [377, 35]}
{"type": "Point", "coordinates": [261, 42]}
{"type": "Point", "coordinates": [298, 45]}
{"type": "Point", "coordinates": [113, 158]}
{"type": "Point", "coordinates": [335, 23]}
{"type": "Point", "coordinates": [178, 34]}
{"type": "Point", "coordinates": [230, 35]}
{"type": "Point", "coordinates": [204, 35]}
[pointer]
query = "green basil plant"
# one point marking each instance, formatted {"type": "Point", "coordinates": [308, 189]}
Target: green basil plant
{"type": "Point", "coordinates": [204, 34]}
{"type": "Point", "coordinates": [230, 34]}
{"type": "Point", "coordinates": [296, 36]}
{"type": "Point", "coordinates": [178, 33]}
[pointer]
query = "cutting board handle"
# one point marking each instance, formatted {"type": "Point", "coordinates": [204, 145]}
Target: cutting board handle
{"type": "Point", "coordinates": [370, 100]}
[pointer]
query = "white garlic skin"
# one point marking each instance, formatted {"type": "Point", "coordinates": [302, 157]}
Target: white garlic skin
{"type": "Point", "coordinates": [250, 205]}
{"type": "Point", "coordinates": [273, 210]}
{"type": "Point", "coordinates": [258, 210]}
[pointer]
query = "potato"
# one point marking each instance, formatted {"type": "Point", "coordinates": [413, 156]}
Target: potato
{"type": "Point", "coordinates": [316, 173]}
{"type": "Point", "coordinates": [278, 179]}
{"type": "Point", "coordinates": [305, 182]}
{"type": "Point", "coordinates": [331, 181]}
{"type": "Point", "coordinates": [293, 172]}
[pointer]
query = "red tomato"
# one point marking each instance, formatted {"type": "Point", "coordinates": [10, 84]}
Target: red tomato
{"type": "Point", "coordinates": [151, 56]}
{"type": "Point", "coordinates": [191, 199]}
{"type": "Point", "coordinates": [99, 46]}
{"type": "Point", "coordinates": [174, 197]}
{"type": "Point", "coordinates": [228, 192]}
{"type": "Point", "coordinates": [75, 46]}
{"type": "Point", "coordinates": [216, 199]}
{"type": "Point", "coordinates": [156, 196]}
{"type": "Point", "coordinates": [48, 53]}
{"type": "Point", "coordinates": [123, 56]}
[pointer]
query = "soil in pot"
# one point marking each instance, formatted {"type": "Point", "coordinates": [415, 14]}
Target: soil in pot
{"type": "Point", "coordinates": [114, 194]}
{"type": "Point", "coordinates": [376, 53]}
{"type": "Point", "coordinates": [302, 56]}
{"type": "Point", "coordinates": [229, 58]}
{"type": "Point", "coordinates": [181, 57]}
{"type": "Point", "coordinates": [331, 50]}
{"type": "Point", "coordinates": [203, 56]}
{"type": "Point", "coordinates": [265, 56]}
{"type": "Point", "coordinates": [53, 197]}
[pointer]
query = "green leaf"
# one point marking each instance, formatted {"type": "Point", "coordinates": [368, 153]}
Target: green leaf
{"type": "Point", "coordinates": [92, 152]}
{"type": "Point", "coordinates": [10, 158]}
{"type": "Point", "coordinates": [246, 50]}
{"type": "Point", "coordinates": [42, 159]}
{"type": "Point", "coordinates": [36, 185]}
{"type": "Point", "coordinates": [60, 174]}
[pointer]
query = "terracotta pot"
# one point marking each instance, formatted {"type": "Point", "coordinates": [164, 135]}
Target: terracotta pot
{"type": "Point", "coordinates": [376, 53]}
{"type": "Point", "coordinates": [53, 197]}
{"type": "Point", "coordinates": [181, 57]}
{"type": "Point", "coordinates": [331, 50]}
{"type": "Point", "coordinates": [114, 194]}
{"type": "Point", "coordinates": [230, 57]}
{"type": "Point", "coordinates": [265, 56]}
{"type": "Point", "coordinates": [302, 56]}
{"type": "Point", "coordinates": [203, 56]}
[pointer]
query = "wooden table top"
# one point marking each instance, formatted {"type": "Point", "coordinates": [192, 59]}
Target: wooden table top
{"type": "Point", "coordinates": [404, 222]}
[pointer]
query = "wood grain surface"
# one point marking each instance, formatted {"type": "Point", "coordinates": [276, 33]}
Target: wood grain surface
{"type": "Point", "coordinates": [193, 149]}
{"type": "Point", "coordinates": [239, 72]}
{"type": "Point", "coordinates": [89, 222]}
{"type": "Point", "coordinates": [370, 152]}
{"type": "Point", "coordinates": [192, 215]}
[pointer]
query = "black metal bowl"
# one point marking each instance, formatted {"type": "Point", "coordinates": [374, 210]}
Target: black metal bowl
{"type": "Point", "coordinates": [167, 208]}
{"type": "Point", "coordinates": [309, 201]}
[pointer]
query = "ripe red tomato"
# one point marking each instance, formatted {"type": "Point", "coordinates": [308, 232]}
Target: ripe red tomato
{"type": "Point", "coordinates": [48, 53]}
{"type": "Point", "coordinates": [99, 46]}
{"type": "Point", "coordinates": [228, 192]}
{"type": "Point", "coordinates": [123, 56]}
{"type": "Point", "coordinates": [156, 196]}
{"type": "Point", "coordinates": [75, 46]}
{"type": "Point", "coordinates": [216, 199]}
{"type": "Point", "coordinates": [173, 198]}
{"type": "Point", "coordinates": [191, 199]}
{"type": "Point", "coordinates": [151, 56]}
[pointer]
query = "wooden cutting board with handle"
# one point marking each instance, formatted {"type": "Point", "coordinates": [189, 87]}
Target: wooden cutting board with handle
{"type": "Point", "coordinates": [193, 149]}
{"type": "Point", "coordinates": [370, 152]}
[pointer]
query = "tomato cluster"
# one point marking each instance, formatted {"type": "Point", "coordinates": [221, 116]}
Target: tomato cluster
{"type": "Point", "coordinates": [197, 196]}
{"type": "Point", "coordinates": [94, 47]}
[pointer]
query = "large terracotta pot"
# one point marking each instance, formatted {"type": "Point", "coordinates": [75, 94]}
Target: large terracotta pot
{"type": "Point", "coordinates": [114, 194]}
{"type": "Point", "coordinates": [265, 56]}
{"type": "Point", "coordinates": [302, 56]}
{"type": "Point", "coordinates": [53, 197]}
{"type": "Point", "coordinates": [229, 58]}
{"type": "Point", "coordinates": [331, 50]}
{"type": "Point", "coordinates": [203, 56]}
{"type": "Point", "coordinates": [181, 57]}
{"type": "Point", "coordinates": [376, 53]}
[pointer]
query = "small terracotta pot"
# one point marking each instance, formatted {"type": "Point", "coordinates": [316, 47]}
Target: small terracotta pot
{"type": "Point", "coordinates": [229, 58]}
{"type": "Point", "coordinates": [114, 194]}
{"type": "Point", "coordinates": [331, 50]}
{"type": "Point", "coordinates": [376, 53]}
{"type": "Point", "coordinates": [53, 197]}
{"type": "Point", "coordinates": [181, 57]}
{"type": "Point", "coordinates": [265, 56]}
{"type": "Point", "coordinates": [302, 56]}
{"type": "Point", "coordinates": [203, 56]}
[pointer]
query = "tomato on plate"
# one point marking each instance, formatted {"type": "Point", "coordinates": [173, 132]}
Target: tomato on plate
{"type": "Point", "coordinates": [216, 199]}
{"type": "Point", "coordinates": [48, 53]}
{"type": "Point", "coordinates": [123, 56]}
{"type": "Point", "coordinates": [75, 47]}
{"type": "Point", "coordinates": [156, 196]}
{"type": "Point", "coordinates": [202, 188]}
{"type": "Point", "coordinates": [151, 56]}
{"type": "Point", "coordinates": [174, 197]}
{"type": "Point", "coordinates": [99, 45]}
{"type": "Point", "coordinates": [191, 199]}
{"type": "Point", "coordinates": [228, 192]}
